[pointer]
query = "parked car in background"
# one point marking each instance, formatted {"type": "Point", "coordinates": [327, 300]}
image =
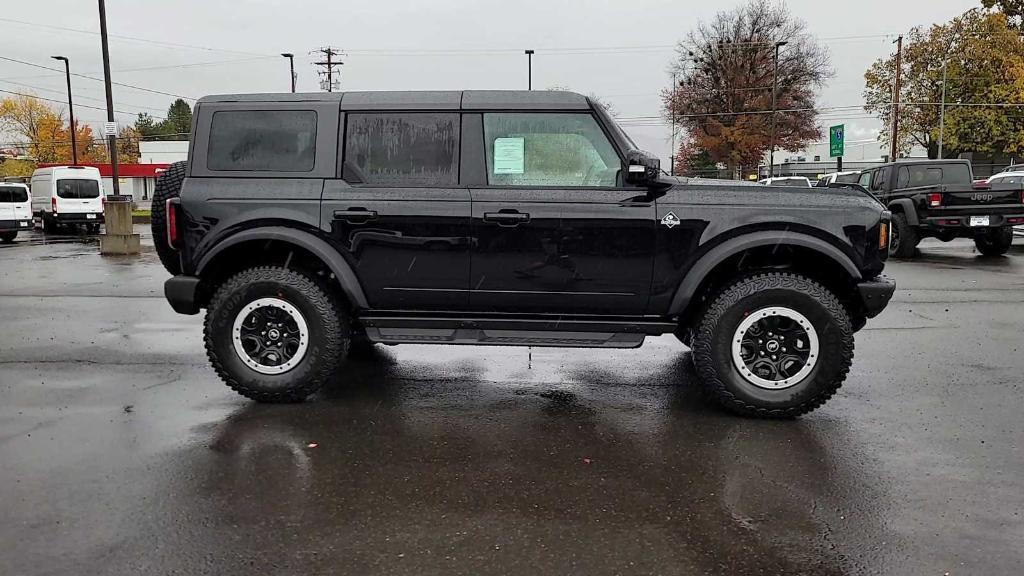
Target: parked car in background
{"type": "Point", "coordinates": [15, 210]}
{"type": "Point", "coordinates": [939, 199]}
{"type": "Point", "coordinates": [1007, 178]}
{"type": "Point", "coordinates": [68, 195]}
{"type": "Point", "coordinates": [308, 224]}
{"type": "Point", "coordinates": [787, 181]}
{"type": "Point", "coordinates": [850, 177]}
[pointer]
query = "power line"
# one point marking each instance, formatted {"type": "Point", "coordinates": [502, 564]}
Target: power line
{"type": "Point", "coordinates": [132, 86]}
{"type": "Point", "coordinates": [55, 91]}
{"type": "Point", "coordinates": [130, 38]}
{"type": "Point", "coordinates": [64, 102]}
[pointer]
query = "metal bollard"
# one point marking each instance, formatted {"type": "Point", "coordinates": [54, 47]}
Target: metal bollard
{"type": "Point", "coordinates": [118, 236]}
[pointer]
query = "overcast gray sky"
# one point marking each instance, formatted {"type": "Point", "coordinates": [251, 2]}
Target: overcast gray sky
{"type": "Point", "coordinates": [619, 50]}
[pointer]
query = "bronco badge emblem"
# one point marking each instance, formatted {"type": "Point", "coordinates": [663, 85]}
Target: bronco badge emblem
{"type": "Point", "coordinates": [670, 220]}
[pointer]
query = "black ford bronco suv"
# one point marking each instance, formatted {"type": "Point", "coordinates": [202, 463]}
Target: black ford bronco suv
{"type": "Point", "coordinates": [939, 199]}
{"type": "Point", "coordinates": [308, 224]}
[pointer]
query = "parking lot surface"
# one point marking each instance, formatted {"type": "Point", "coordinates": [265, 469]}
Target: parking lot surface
{"type": "Point", "coordinates": [122, 453]}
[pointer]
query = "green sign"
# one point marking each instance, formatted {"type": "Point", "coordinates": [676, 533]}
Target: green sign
{"type": "Point", "coordinates": [836, 140]}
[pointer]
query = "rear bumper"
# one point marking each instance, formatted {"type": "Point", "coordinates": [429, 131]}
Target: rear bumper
{"type": "Point", "coordinates": [875, 294]}
{"type": "Point", "coordinates": [180, 292]}
{"type": "Point", "coordinates": [78, 217]}
{"type": "Point", "coordinates": [11, 225]}
{"type": "Point", "coordinates": [960, 221]}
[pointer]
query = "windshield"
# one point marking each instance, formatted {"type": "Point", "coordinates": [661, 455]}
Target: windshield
{"type": "Point", "coordinates": [13, 194]}
{"type": "Point", "coordinates": [81, 189]}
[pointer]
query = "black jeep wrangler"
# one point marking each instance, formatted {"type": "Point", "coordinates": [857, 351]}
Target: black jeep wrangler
{"type": "Point", "coordinates": [939, 199]}
{"type": "Point", "coordinates": [308, 224]}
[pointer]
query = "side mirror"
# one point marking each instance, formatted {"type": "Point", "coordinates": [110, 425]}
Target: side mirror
{"type": "Point", "coordinates": [642, 168]}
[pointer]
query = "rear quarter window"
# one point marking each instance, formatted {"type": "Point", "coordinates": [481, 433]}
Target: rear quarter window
{"type": "Point", "coordinates": [13, 195]}
{"type": "Point", "coordinates": [262, 140]}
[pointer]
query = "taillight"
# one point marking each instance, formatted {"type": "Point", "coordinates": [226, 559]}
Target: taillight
{"type": "Point", "coordinates": [934, 200]}
{"type": "Point", "coordinates": [103, 202]}
{"type": "Point", "coordinates": [53, 204]}
{"type": "Point", "coordinates": [172, 223]}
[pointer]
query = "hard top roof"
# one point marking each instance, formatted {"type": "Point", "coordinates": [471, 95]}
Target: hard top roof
{"type": "Point", "coordinates": [426, 100]}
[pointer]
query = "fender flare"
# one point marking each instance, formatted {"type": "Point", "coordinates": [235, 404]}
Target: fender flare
{"type": "Point", "coordinates": [908, 209]}
{"type": "Point", "coordinates": [703, 267]}
{"type": "Point", "coordinates": [317, 246]}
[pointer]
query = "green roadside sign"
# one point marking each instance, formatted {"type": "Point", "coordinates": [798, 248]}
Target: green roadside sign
{"type": "Point", "coordinates": [836, 140]}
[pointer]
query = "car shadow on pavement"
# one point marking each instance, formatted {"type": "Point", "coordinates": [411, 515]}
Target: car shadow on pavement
{"type": "Point", "coordinates": [402, 469]}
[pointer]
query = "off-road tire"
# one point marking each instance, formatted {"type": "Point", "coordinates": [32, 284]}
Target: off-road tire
{"type": "Point", "coordinates": [168, 186]}
{"type": "Point", "coordinates": [905, 236]}
{"type": "Point", "coordinates": [8, 237]}
{"type": "Point", "coordinates": [327, 322]}
{"type": "Point", "coordinates": [712, 345]}
{"type": "Point", "coordinates": [996, 242]}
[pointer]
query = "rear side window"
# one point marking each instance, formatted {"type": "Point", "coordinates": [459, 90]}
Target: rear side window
{"type": "Point", "coordinates": [262, 140]}
{"type": "Point", "coordinates": [402, 149]}
{"type": "Point", "coordinates": [80, 189]}
{"type": "Point", "coordinates": [13, 194]}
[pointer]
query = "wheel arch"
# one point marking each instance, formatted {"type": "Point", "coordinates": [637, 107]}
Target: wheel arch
{"type": "Point", "coordinates": [906, 207]}
{"type": "Point", "coordinates": [234, 252]}
{"type": "Point", "coordinates": [760, 250]}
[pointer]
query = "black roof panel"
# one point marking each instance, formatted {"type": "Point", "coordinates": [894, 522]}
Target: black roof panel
{"type": "Point", "coordinates": [426, 100]}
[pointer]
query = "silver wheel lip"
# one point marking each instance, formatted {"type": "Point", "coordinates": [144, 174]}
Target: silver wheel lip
{"type": "Point", "coordinates": [741, 330]}
{"type": "Point", "coordinates": [300, 321]}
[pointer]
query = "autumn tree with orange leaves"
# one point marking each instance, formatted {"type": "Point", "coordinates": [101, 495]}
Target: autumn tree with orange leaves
{"type": "Point", "coordinates": [39, 130]}
{"type": "Point", "coordinates": [724, 99]}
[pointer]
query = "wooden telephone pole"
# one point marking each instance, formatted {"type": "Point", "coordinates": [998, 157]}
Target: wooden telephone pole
{"type": "Point", "coordinates": [893, 140]}
{"type": "Point", "coordinates": [327, 76]}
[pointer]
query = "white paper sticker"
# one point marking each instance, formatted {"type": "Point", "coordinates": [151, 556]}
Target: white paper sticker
{"type": "Point", "coordinates": [509, 155]}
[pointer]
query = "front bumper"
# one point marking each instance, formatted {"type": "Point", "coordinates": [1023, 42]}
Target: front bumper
{"type": "Point", "coordinates": [12, 225]}
{"type": "Point", "coordinates": [181, 292]}
{"type": "Point", "coordinates": [875, 294]}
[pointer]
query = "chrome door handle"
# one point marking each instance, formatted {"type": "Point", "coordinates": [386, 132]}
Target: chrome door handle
{"type": "Point", "coordinates": [355, 215]}
{"type": "Point", "coordinates": [506, 218]}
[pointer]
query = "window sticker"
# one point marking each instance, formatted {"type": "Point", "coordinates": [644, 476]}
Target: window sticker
{"type": "Point", "coordinates": [509, 155]}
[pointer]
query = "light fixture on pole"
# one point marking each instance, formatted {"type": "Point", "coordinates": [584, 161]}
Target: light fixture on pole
{"type": "Point", "coordinates": [529, 69]}
{"type": "Point", "coordinates": [291, 66]}
{"type": "Point", "coordinates": [775, 90]}
{"type": "Point", "coordinates": [71, 109]}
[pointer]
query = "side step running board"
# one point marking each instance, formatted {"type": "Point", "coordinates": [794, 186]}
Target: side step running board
{"type": "Point", "coordinates": [476, 336]}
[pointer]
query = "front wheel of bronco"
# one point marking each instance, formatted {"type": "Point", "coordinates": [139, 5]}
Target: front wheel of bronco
{"type": "Point", "coordinates": [275, 335]}
{"type": "Point", "coordinates": [995, 242]}
{"type": "Point", "coordinates": [773, 345]}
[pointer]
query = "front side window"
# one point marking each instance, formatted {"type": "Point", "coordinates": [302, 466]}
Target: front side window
{"type": "Point", "coordinates": [74, 188]}
{"type": "Point", "coordinates": [539, 149]}
{"type": "Point", "coordinates": [402, 149]}
{"type": "Point", "coordinates": [865, 179]}
{"type": "Point", "coordinates": [13, 194]}
{"type": "Point", "coordinates": [262, 140]}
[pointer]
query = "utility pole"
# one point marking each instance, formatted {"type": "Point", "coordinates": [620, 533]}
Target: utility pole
{"type": "Point", "coordinates": [896, 100]}
{"type": "Point", "coordinates": [71, 109]}
{"type": "Point", "coordinates": [942, 107]}
{"type": "Point", "coordinates": [775, 94]}
{"type": "Point", "coordinates": [111, 138]}
{"type": "Point", "coordinates": [291, 66]}
{"type": "Point", "coordinates": [327, 80]}
{"type": "Point", "coordinates": [672, 111]}
{"type": "Point", "coordinates": [529, 69]}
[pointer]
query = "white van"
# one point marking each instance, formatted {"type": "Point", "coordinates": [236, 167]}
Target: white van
{"type": "Point", "coordinates": [68, 195]}
{"type": "Point", "coordinates": [15, 210]}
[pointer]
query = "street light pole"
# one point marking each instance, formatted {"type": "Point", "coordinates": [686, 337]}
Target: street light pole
{"type": "Point", "coordinates": [112, 139]}
{"type": "Point", "coordinates": [942, 108]}
{"type": "Point", "coordinates": [71, 109]}
{"type": "Point", "coordinates": [672, 111]}
{"type": "Point", "coordinates": [775, 90]}
{"type": "Point", "coordinates": [529, 69]}
{"type": "Point", "coordinates": [291, 66]}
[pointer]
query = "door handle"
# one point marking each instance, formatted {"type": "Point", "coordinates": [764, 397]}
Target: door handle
{"type": "Point", "coordinates": [355, 215]}
{"type": "Point", "coordinates": [506, 218]}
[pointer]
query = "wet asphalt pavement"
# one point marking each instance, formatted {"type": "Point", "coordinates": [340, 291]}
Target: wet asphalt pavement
{"type": "Point", "coordinates": [122, 453]}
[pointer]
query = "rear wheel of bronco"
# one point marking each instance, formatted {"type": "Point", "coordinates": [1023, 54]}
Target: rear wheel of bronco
{"type": "Point", "coordinates": [168, 186]}
{"type": "Point", "coordinates": [995, 242]}
{"type": "Point", "coordinates": [904, 237]}
{"type": "Point", "coordinates": [773, 345]}
{"type": "Point", "coordinates": [275, 335]}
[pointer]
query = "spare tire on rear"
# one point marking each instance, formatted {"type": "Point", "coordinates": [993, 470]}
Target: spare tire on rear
{"type": "Point", "coordinates": [168, 186]}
